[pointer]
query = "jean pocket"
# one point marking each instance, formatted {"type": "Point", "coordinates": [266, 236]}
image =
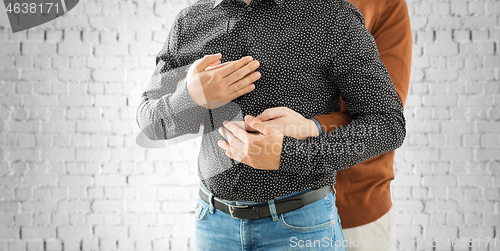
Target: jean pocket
{"type": "Point", "coordinates": [311, 217]}
{"type": "Point", "coordinates": [201, 210]}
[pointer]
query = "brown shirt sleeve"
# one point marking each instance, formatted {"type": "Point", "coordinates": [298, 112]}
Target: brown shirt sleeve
{"type": "Point", "coordinates": [392, 32]}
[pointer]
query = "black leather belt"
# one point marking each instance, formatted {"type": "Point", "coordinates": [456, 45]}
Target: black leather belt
{"type": "Point", "coordinates": [262, 210]}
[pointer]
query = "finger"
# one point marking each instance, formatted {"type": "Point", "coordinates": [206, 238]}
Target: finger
{"type": "Point", "coordinates": [234, 154]}
{"type": "Point", "coordinates": [243, 71]}
{"type": "Point", "coordinates": [276, 123]}
{"type": "Point", "coordinates": [224, 145]}
{"type": "Point", "coordinates": [243, 125]}
{"type": "Point", "coordinates": [238, 88]}
{"type": "Point", "coordinates": [241, 92]}
{"type": "Point", "coordinates": [213, 67]}
{"type": "Point", "coordinates": [213, 64]}
{"type": "Point", "coordinates": [234, 66]}
{"type": "Point", "coordinates": [257, 124]}
{"type": "Point", "coordinates": [272, 113]}
{"type": "Point", "coordinates": [204, 62]}
{"type": "Point", "coordinates": [210, 68]}
{"type": "Point", "coordinates": [237, 131]}
{"type": "Point", "coordinates": [232, 140]}
{"type": "Point", "coordinates": [230, 151]}
{"type": "Point", "coordinates": [223, 133]}
{"type": "Point", "coordinates": [240, 124]}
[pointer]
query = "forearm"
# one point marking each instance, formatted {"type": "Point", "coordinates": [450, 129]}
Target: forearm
{"type": "Point", "coordinates": [334, 120]}
{"type": "Point", "coordinates": [170, 115]}
{"type": "Point", "coordinates": [378, 124]}
{"type": "Point", "coordinates": [394, 43]}
{"type": "Point", "coordinates": [377, 127]}
{"type": "Point", "coordinates": [166, 109]}
{"type": "Point", "coordinates": [361, 139]}
{"type": "Point", "coordinates": [178, 87]}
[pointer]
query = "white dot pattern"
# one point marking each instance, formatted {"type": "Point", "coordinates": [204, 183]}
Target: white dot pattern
{"type": "Point", "coordinates": [311, 52]}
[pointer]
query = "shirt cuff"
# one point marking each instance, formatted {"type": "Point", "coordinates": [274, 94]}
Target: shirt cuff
{"type": "Point", "coordinates": [318, 125]}
{"type": "Point", "coordinates": [184, 108]}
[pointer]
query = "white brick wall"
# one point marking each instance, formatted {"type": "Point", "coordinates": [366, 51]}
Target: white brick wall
{"type": "Point", "coordinates": [73, 178]}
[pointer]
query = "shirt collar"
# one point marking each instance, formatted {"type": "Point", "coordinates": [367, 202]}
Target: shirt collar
{"type": "Point", "coordinates": [278, 2]}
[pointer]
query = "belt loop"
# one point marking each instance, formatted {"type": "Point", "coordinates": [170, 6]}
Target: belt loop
{"type": "Point", "coordinates": [211, 203]}
{"type": "Point", "coordinates": [334, 190]}
{"type": "Point", "coordinates": [272, 209]}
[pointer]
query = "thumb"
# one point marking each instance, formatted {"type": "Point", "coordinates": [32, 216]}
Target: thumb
{"type": "Point", "coordinates": [258, 125]}
{"type": "Point", "coordinates": [207, 60]}
{"type": "Point", "coordinates": [213, 64]}
{"type": "Point", "coordinates": [273, 113]}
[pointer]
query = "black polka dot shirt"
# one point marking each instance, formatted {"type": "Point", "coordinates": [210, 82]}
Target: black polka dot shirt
{"type": "Point", "coordinates": [311, 53]}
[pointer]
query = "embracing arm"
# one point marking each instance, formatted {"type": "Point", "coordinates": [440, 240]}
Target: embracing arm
{"type": "Point", "coordinates": [392, 33]}
{"type": "Point", "coordinates": [334, 120]}
{"type": "Point", "coordinates": [377, 125]}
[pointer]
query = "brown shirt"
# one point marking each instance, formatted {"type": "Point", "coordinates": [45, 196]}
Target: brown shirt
{"type": "Point", "coordinates": [363, 190]}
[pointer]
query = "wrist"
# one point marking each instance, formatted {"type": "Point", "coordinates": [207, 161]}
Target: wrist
{"type": "Point", "coordinates": [315, 127]}
{"type": "Point", "coordinates": [180, 101]}
{"type": "Point", "coordinates": [196, 97]}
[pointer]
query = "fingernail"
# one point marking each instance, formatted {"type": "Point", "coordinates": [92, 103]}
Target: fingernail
{"type": "Point", "coordinates": [220, 130]}
{"type": "Point", "coordinates": [248, 118]}
{"type": "Point", "coordinates": [217, 54]}
{"type": "Point", "coordinates": [257, 75]}
{"type": "Point", "coordinates": [256, 63]}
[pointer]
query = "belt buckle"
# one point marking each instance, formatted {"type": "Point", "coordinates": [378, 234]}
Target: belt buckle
{"type": "Point", "coordinates": [231, 208]}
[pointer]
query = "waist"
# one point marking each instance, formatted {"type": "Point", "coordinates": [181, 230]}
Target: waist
{"type": "Point", "coordinates": [249, 210]}
{"type": "Point", "coordinates": [251, 185]}
{"type": "Point", "coordinates": [253, 203]}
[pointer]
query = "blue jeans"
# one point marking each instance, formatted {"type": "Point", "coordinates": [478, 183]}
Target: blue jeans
{"type": "Point", "coordinates": [315, 226]}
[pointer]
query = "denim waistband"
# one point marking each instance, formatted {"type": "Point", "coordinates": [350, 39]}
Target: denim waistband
{"type": "Point", "coordinates": [244, 202]}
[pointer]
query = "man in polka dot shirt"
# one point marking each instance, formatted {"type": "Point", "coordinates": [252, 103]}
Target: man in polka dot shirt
{"type": "Point", "coordinates": [308, 54]}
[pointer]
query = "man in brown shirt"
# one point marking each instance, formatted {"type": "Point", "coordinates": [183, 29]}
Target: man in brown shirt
{"type": "Point", "coordinates": [363, 190]}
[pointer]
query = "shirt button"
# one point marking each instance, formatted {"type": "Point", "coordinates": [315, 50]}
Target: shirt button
{"type": "Point", "coordinates": [249, 8]}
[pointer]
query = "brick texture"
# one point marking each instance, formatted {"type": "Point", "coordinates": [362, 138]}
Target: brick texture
{"type": "Point", "coordinates": [72, 176]}
{"type": "Point", "coordinates": [452, 141]}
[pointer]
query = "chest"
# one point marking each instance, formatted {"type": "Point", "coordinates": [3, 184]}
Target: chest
{"type": "Point", "coordinates": [295, 55]}
{"type": "Point", "coordinates": [292, 36]}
